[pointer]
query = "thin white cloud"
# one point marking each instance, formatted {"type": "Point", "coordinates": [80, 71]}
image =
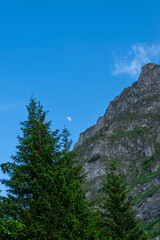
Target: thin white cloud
{"type": "Point", "coordinates": [138, 55]}
{"type": "Point", "coordinates": [9, 106]}
{"type": "Point", "coordinates": [69, 119]}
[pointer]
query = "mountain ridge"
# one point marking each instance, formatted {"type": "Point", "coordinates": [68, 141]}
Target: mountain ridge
{"type": "Point", "coordinates": [129, 132]}
{"type": "Point", "coordinates": [109, 112]}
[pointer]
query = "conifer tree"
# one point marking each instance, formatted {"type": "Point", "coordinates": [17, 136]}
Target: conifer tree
{"type": "Point", "coordinates": [45, 187]}
{"type": "Point", "coordinates": [66, 143]}
{"type": "Point", "coordinates": [118, 220]}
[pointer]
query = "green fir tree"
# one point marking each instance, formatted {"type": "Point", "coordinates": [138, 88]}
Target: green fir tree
{"type": "Point", "coordinates": [45, 196]}
{"type": "Point", "coordinates": [118, 220]}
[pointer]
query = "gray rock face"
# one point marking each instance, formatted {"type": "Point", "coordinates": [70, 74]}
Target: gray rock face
{"type": "Point", "coordinates": [147, 86]}
{"type": "Point", "coordinates": [129, 132]}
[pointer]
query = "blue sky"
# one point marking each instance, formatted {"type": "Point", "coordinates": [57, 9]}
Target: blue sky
{"type": "Point", "coordinates": [74, 56]}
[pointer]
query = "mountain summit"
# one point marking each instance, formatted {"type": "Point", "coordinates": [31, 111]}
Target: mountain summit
{"type": "Point", "coordinates": [129, 132]}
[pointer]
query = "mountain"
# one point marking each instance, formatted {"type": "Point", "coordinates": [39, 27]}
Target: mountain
{"type": "Point", "coordinates": [129, 132]}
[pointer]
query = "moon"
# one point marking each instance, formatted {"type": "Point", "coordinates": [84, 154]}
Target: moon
{"type": "Point", "coordinates": [69, 119]}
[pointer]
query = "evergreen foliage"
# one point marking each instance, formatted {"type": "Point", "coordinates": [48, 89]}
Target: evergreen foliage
{"type": "Point", "coordinates": [117, 220]}
{"type": "Point", "coordinates": [66, 143]}
{"type": "Point", "coordinates": [45, 197]}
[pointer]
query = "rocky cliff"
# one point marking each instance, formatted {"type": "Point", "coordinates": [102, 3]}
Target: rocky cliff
{"type": "Point", "coordinates": [129, 132]}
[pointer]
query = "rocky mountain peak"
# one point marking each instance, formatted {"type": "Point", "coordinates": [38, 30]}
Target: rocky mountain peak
{"type": "Point", "coordinates": [148, 85]}
{"type": "Point", "coordinates": [150, 75]}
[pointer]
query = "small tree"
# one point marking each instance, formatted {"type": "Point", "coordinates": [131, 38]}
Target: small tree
{"type": "Point", "coordinates": [66, 143]}
{"type": "Point", "coordinates": [117, 214]}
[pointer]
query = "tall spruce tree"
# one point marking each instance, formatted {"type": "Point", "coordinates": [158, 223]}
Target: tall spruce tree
{"type": "Point", "coordinates": [118, 221]}
{"type": "Point", "coordinates": [45, 194]}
